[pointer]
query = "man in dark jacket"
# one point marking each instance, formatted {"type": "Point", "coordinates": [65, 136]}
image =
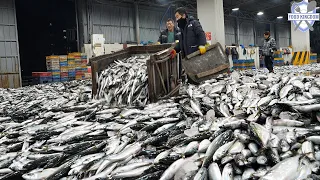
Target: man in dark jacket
{"type": "Point", "coordinates": [269, 46]}
{"type": "Point", "coordinates": [192, 36]}
{"type": "Point", "coordinates": [170, 35]}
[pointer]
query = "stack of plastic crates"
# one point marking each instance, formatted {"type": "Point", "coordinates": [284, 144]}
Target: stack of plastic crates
{"type": "Point", "coordinates": [78, 66]}
{"type": "Point", "coordinates": [278, 59]}
{"type": "Point", "coordinates": [243, 64]}
{"type": "Point", "coordinates": [313, 58]}
{"type": "Point", "coordinates": [64, 69]}
{"type": "Point", "coordinates": [88, 75]}
{"type": "Point", "coordinates": [71, 67]}
{"type": "Point", "coordinates": [53, 66]}
{"type": "Point", "coordinates": [84, 65]}
{"type": "Point", "coordinates": [41, 77]}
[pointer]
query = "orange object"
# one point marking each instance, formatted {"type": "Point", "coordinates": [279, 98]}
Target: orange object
{"type": "Point", "coordinates": [208, 36]}
{"type": "Point", "coordinates": [173, 53]}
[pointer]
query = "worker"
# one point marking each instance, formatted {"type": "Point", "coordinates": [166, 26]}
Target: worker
{"type": "Point", "coordinates": [170, 35]}
{"type": "Point", "coordinates": [192, 36]}
{"type": "Point", "coordinates": [269, 47]}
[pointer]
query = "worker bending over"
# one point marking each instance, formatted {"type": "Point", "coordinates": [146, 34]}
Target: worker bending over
{"type": "Point", "coordinates": [171, 34]}
{"type": "Point", "coordinates": [192, 36]}
{"type": "Point", "coordinates": [268, 49]}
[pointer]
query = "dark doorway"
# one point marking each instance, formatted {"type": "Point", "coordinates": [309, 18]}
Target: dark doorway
{"type": "Point", "coordinates": [45, 27]}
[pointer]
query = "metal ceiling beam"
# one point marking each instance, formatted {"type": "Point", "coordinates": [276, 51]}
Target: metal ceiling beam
{"type": "Point", "coordinates": [251, 16]}
{"type": "Point", "coordinates": [240, 2]}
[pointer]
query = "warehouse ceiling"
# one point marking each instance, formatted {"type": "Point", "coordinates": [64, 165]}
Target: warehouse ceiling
{"type": "Point", "coordinates": [248, 9]}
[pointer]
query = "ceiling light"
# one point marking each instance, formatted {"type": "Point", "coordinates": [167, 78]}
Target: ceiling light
{"type": "Point", "coordinates": [235, 9]}
{"type": "Point", "coordinates": [317, 7]}
{"type": "Point", "coordinates": [260, 13]}
{"type": "Point", "coordinates": [280, 17]}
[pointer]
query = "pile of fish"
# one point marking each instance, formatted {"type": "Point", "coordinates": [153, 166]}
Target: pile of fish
{"type": "Point", "coordinates": [298, 69]}
{"type": "Point", "coordinates": [125, 82]}
{"type": "Point", "coordinates": [28, 101]}
{"type": "Point", "coordinates": [248, 125]}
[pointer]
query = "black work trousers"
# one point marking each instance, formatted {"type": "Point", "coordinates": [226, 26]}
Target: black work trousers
{"type": "Point", "coordinates": [268, 61]}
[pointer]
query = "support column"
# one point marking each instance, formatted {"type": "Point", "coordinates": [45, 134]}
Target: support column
{"type": "Point", "coordinates": [211, 16]}
{"type": "Point", "coordinates": [136, 12]}
{"type": "Point", "coordinates": [300, 46]}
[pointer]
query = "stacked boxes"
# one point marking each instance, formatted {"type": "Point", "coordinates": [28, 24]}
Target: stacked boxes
{"type": "Point", "coordinates": [78, 63]}
{"type": "Point", "coordinates": [71, 67]}
{"type": "Point", "coordinates": [243, 64]}
{"type": "Point", "coordinates": [313, 58]}
{"type": "Point", "coordinates": [68, 67]}
{"type": "Point", "coordinates": [87, 75]}
{"type": "Point", "coordinates": [278, 59]}
{"type": "Point", "coordinates": [41, 77]}
{"type": "Point", "coordinates": [64, 68]}
{"type": "Point", "coordinates": [84, 65]}
{"type": "Point", "coordinates": [53, 66]}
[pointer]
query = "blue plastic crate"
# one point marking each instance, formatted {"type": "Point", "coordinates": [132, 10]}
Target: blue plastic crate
{"type": "Point", "coordinates": [55, 70]}
{"type": "Point", "coordinates": [56, 79]}
{"type": "Point", "coordinates": [55, 76]}
{"type": "Point", "coordinates": [41, 80]}
{"type": "Point", "coordinates": [72, 74]}
{"type": "Point", "coordinates": [64, 63]}
{"type": "Point", "coordinates": [64, 79]}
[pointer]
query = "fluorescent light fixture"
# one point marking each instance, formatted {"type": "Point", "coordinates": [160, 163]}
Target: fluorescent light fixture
{"type": "Point", "coordinates": [317, 7]}
{"type": "Point", "coordinates": [280, 17]}
{"type": "Point", "coordinates": [260, 13]}
{"type": "Point", "coordinates": [235, 9]}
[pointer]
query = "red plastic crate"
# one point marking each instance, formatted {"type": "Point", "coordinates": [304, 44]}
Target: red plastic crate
{"type": "Point", "coordinates": [41, 74]}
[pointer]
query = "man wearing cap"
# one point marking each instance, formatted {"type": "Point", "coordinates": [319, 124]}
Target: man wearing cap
{"type": "Point", "coordinates": [269, 46]}
{"type": "Point", "coordinates": [170, 35]}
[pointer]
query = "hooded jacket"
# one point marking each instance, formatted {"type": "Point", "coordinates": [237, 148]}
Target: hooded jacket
{"type": "Point", "coordinates": [192, 36]}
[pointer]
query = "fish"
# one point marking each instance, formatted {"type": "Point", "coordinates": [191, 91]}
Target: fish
{"type": "Point", "coordinates": [218, 129]}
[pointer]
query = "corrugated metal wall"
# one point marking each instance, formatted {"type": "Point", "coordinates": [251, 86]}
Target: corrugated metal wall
{"type": "Point", "coordinates": [150, 20]}
{"type": "Point", "coordinates": [260, 29]}
{"type": "Point", "coordinates": [230, 33]}
{"type": "Point", "coordinates": [115, 22]}
{"type": "Point", "coordinates": [246, 32]}
{"type": "Point", "coordinates": [284, 35]}
{"type": "Point", "coordinates": [10, 76]}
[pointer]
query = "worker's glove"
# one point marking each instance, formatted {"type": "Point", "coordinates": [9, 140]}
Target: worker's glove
{"type": "Point", "coordinates": [173, 53]}
{"type": "Point", "coordinates": [202, 49]}
{"type": "Point", "coordinates": [158, 43]}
